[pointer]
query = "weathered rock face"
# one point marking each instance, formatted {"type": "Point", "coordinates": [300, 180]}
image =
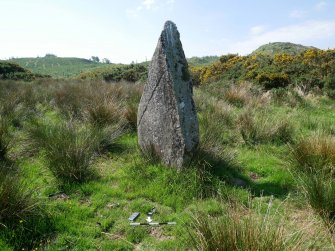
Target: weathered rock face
{"type": "Point", "coordinates": [167, 121]}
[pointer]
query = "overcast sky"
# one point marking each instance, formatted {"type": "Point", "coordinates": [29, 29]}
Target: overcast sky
{"type": "Point", "coordinates": [128, 30]}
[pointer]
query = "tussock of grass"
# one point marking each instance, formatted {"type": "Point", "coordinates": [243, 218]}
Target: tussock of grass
{"type": "Point", "coordinates": [320, 192]}
{"type": "Point", "coordinates": [68, 148]}
{"type": "Point", "coordinates": [314, 154]}
{"type": "Point", "coordinates": [107, 112]}
{"type": "Point", "coordinates": [313, 160]}
{"type": "Point", "coordinates": [259, 129]}
{"type": "Point", "coordinates": [5, 138]}
{"type": "Point", "coordinates": [23, 220]}
{"type": "Point", "coordinates": [15, 200]}
{"type": "Point", "coordinates": [239, 228]}
{"type": "Point", "coordinates": [238, 95]}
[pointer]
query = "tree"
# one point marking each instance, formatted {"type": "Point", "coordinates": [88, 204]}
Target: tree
{"type": "Point", "coordinates": [95, 59]}
{"type": "Point", "coordinates": [106, 61]}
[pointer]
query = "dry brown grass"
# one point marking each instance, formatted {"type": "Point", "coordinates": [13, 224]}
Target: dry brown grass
{"type": "Point", "coordinates": [240, 228]}
{"type": "Point", "coordinates": [314, 154]}
{"type": "Point", "coordinates": [238, 94]}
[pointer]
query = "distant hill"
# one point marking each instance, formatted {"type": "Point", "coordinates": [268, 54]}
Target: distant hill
{"type": "Point", "coordinates": [202, 61]}
{"type": "Point", "coordinates": [57, 67]}
{"type": "Point", "coordinates": [282, 47]}
{"type": "Point", "coordinates": [15, 72]}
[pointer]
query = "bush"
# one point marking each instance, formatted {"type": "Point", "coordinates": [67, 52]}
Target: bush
{"type": "Point", "coordinates": [273, 80]}
{"type": "Point", "coordinates": [117, 73]}
{"type": "Point", "coordinates": [16, 72]}
{"type": "Point", "coordinates": [330, 86]}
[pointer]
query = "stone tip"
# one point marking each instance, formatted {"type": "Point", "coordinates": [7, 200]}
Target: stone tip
{"type": "Point", "coordinates": [169, 24]}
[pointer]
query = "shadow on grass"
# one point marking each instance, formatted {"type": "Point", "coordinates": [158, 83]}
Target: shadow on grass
{"type": "Point", "coordinates": [269, 188]}
{"type": "Point", "coordinates": [224, 168]}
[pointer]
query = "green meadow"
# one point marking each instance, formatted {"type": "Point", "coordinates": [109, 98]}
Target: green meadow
{"type": "Point", "coordinates": [71, 172]}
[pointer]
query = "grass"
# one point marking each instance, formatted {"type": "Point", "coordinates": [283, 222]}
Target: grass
{"type": "Point", "coordinates": [242, 229]}
{"type": "Point", "coordinates": [5, 138]}
{"type": "Point", "coordinates": [314, 162]}
{"type": "Point", "coordinates": [87, 175]}
{"type": "Point", "coordinates": [70, 149]}
{"type": "Point", "coordinates": [56, 67]}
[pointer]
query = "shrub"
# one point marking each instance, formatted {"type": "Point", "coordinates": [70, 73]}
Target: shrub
{"type": "Point", "coordinates": [117, 73]}
{"type": "Point", "coordinates": [68, 148]}
{"type": "Point", "coordinates": [273, 80]}
{"type": "Point", "coordinates": [330, 86]}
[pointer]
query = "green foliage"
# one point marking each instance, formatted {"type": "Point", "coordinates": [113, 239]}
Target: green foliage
{"type": "Point", "coordinates": [273, 80]}
{"type": "Point", "coordinates": [15, 72]}
{"type": "Point", "coordinates": [330, 86]}
{"type": "Point", "coordinates": [116, 73]}
{"type": "Point", "coordinates": [202, 61]}
{"type": "Point", "coordinates": [290, 65]}
{"type": "Point", "coordinates": [281, 47]}
{"type": "Point", "coordinates": [56, 67]}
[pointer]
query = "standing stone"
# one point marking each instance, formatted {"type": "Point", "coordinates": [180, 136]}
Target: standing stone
{"type": "Point", "coordinates": [167, 120]}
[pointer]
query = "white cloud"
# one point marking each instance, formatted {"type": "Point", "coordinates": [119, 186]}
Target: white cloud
{"type": "Point", "coordinates": [298, 13]}
{"type": "Point", "coordinates": [257, 29]}
{"type": "Point", "coordinates": [148, 4]}
{"type": "Point", "coordinates": [134, 12]}
{"type": "Point", "coordinates": [321, 5]}
{"type": "Point", "coordinates": [304, 33]}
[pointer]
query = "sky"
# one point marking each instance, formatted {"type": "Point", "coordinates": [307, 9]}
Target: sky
{"type": "Point", "coordinates": [127, 31]}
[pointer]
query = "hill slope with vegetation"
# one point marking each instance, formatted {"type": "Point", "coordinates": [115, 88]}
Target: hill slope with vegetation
{"type": "Point", "coordinates": [282, 47]}
{"type": "Point", "coordinates": [57, 67]}
{"type": "Point", "coordinates": [311, 69]}
{"type": "Point", "coordinates": [15, 72]}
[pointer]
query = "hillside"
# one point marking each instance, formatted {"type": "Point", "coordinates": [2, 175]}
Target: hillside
{"type": "Point", "coordinates": [57, 67]}
{"type": "Point", "coordinates": [202, 61]}
{"type": "Point", "coordinates": [282, 47]}
{"type": "Point", "coordinates": [15, 72]}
